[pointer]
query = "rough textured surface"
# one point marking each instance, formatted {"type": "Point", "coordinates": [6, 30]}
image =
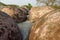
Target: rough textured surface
{"type": "Point", "coordinates": [47, 27]}
{"type": "Point", "coordinates": [18, 14]}
{"type": "Point", "coordinates": [8, 28]}
{"type": "Point", "coordinates": [25, 10]}
{"type": "Point", "coordinates": [37, 12]}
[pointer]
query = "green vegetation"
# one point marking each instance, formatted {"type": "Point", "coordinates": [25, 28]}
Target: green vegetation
{"type": "Point", "coordinates": [29, 6]}
{"type": "Point", "coordinates": [2, 4]}
{"type": "Point", "coordinates": [56, 7]}
{"type": "Point", "coordinates": [12, 5]}
{"type": "Point", "coordinates": [49, 2]}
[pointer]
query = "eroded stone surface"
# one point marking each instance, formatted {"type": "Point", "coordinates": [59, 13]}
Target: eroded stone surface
{"type": "Point", "coordinates": [19, 15]}
{"type": "Point", "coordinates": [47, 28]}
{"type": "Point", "coordinates": [8, 28]}
{"type": "Point", "coordinates": [37, 12]}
